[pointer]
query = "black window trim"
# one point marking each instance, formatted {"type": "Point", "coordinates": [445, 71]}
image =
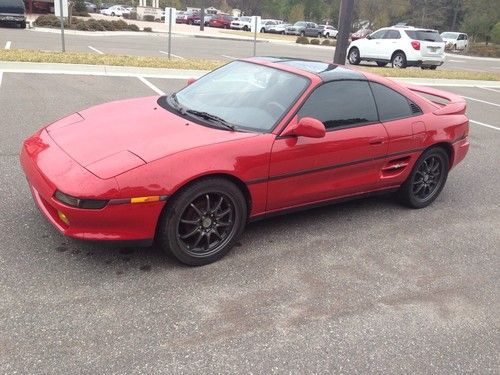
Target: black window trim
{"type": "Point", "coordinates": [410, 102]}
{"type": "Point", "coordinates": [343, 127]}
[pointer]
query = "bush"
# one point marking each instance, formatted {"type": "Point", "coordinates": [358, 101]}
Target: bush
{"type": "Point", "coordinates": [133, 27]}
{"type": "Point", "coordinates": [302, 40]}
{"type": "Point", "coordinates": [48, 20]}
{"type": "Point", "coordinates": [147, 29]}
{"type": "Point", "coordinates": [491, 50]}
{"type": "Point", "coordinates": [149, 18]}
{"type": "Point", "coordinates": [316, 42]}
{"type": "Point", "coordinates": [495, 33]}
{"type": "Point", "coordinates": [325, 42]}
{"type": "Point", "coordinates": [81, 14]}
{"type": "Point", "coordinates": [119, 25]}
{"type": "Point", "coordinates": [80, 6]}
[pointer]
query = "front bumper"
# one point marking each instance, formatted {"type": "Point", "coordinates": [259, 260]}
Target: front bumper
{"type": "Point", "coordinates": [48, 169]}
{"type": "Point", "coordinates": [12, 17]}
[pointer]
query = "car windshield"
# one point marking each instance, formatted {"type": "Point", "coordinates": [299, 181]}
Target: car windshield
{"type": "Point", "coordinates": [300, 24]}
{"type": "Point", "coordinates": [424, 35]}
{"type": "Point", "coordinates": [245, 95]}
{"type": "Point", "coordinates": [245, 19]}
{"type": "Point", "coordinates": [449, 35]}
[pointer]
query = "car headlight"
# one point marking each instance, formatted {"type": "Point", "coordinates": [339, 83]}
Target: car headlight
{"type": "Point", "coordinates": [92, 204]}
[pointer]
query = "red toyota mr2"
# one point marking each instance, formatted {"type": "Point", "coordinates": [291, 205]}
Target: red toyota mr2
{"type": "Point", "coordinates": [253, 138]}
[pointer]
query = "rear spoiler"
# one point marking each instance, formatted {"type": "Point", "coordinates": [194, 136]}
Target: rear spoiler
{"type": "Point", "coordinates": [455, 105]}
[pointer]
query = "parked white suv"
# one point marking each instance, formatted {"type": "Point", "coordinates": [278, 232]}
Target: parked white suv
{"type": "Point", "coordinates": [115, 10]}
{"type": "Point", "coordinates": [401, 46]}
{"type": "Point", "coordinates": [455, 40]}
{"type": "Point", "coordinates": [242, 23]}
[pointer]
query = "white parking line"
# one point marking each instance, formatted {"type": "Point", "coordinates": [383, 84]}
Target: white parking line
{"type": "Point", "coordinates": [230, 57]}
{"type": "Point", "coordinates": [8, 44]}
{"type": "Point", "coordinates": [488, 88]}
{"type": "Point", "coordinates": [96, 50]}
{"type": "Point", "coordinates": [151, 86]}
{"type": "Point", "coordinates": [483, 124]}
{"type": "Point", "coordinates": [458, 61]}
{"type": "Point", "coordinates": [480, 101]}
{"type": "Point", "coordinates": [171, 54]}
{"type": "Point", "coordinates": [1, 76]}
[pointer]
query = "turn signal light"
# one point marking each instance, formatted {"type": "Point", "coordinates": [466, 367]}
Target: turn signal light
{"type": "Point", "coordinates": [63, 217]}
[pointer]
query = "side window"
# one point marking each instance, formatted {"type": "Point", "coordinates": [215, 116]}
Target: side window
{"type": "Point", "coordinates": [391, 104]}
{"type": "Point", "coordinates": [392, 34]}
{"type": "Point", "coordinates": [341, 104]}
{"type": "Point", "coordinates": [378, 34]}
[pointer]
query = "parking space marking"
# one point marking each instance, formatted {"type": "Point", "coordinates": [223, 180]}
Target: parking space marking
{"type": "Point", "coordinates": [230, 57]}
{"type": "Point", "coordinates": [1, 76]}
{"type": "Point", "coordinates": [480, 101]}
{"type": "Point", "coordinates": [488, 88]}
{"type": "Point", "coordinates": [8, 44]}
{"type": "Point", "coordinates": [483, 124]}
{"type": "Point", "coordinates": [96, 50]}
{"type": "Point", "coordinates": [171, 54]}
{"type": "Point", "coordinates": [151, 86]}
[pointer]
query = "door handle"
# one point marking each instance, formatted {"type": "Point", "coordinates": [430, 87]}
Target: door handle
{"type": "Point", "coordinates": [377, 141]}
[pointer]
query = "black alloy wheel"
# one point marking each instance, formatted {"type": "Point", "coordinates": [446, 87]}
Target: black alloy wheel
{"type": "Point", "coordinates": [426, 180]}
{"type": "Point", "coordinates": [201, 224]}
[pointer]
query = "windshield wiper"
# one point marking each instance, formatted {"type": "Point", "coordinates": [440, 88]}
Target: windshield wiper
{"type": "Point", "coordinates": [178, 106]}
{"type": "Point", "coordinates": [210, 117]}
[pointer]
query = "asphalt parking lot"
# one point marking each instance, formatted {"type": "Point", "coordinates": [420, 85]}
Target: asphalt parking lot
{"type": "Point", "coordinates": [362, 287]}
{"type": "Point", "coordinates": [140, 44]}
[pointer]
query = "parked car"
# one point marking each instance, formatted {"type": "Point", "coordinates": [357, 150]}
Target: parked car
{"type": "Point", "coordinates": [401, 47]}
{"type": "Point", "coordinates": [189, 17]}
{"type": "Point", "coordinates": [280, 134]}
{"type": "Point", "coordinates": [221, 20]}
{"type": "Point", "coordinates": [242, 23]}
{"type": "Point", "coordinates": [303, 28]}
{"type": "Point", "coordinates": [329, 31]}
{"type": "Point", "coordinates": [13, 11]}
{"type": "Point", "coordinates": [208, 17]}
{"type": "Point", "coordinates": [90, 7]}
{"type": "Point", "coordinates": [278, 29]}
{"type": "Point", "coordinates": [115, 10]}
{"type": "Point", "coordinates": [360, 34]}
{"type": "Point", "coordinates": [266, 25]}
{"type": "Point", "coordinates": [455, 41]}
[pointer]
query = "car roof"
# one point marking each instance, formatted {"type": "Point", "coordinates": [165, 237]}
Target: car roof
{"type": "Point", "coordinates": [326, 71]}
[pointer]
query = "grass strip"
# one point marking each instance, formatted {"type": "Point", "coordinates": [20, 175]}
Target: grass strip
{"type": "Point", "coordinates": [21, 55]}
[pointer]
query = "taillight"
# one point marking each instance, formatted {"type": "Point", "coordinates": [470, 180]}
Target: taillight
{"type": "Point", "coordinates": [415, 44]}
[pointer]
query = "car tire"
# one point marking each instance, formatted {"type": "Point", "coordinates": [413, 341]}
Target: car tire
{"type": "Point", "coordinates": [283, 33]}
{"type": "Point", "coordinates": [22, 24]}
{"type": "Point", "coordinates": [190, 221]}
{"type": "Point", "coordinates": [426, 180]}
{"type": "Point", "coordinates": [381, 64]}
{"type": "Point", "coordinates": [302, 33]}
{"type": "Point", "coordinates": [398, 60]}
{"type": "Point", "coordinates": [113, 14]}
{"type": "Point", "coordinates": [353, 56]}
{"type": "Point", "coordinates": [319, 35]}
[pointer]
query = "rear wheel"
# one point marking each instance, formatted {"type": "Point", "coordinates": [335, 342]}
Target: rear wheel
{"type": "Point", "coordinates": [202, 223]}
{"type": "Point", "coordinates": [22, 24]}
{"type": "Point", "coordinates": [353, 56]}
{"type": "Point", "coordinates": [426, 180]}
{"type": "Point", "coordinates": [302, 33]}
{"type": "Point", "coordinates": [398, 60]}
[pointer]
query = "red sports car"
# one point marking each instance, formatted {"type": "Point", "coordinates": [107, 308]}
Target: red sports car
{"type": "Point", "coordinates": [253, 138]}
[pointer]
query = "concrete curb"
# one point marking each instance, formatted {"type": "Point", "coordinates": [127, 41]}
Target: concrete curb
{"type": "Point", "coordinates": [127, 71]}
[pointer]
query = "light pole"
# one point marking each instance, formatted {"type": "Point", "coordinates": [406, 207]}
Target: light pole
{"type": "Point", "coordinates": [202, 16]}
{"type": "Point", "coordinates": [345, 24]}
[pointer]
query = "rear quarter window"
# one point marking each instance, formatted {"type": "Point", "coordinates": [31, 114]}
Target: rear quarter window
{"type": "Point", "coordinates": [392, 105]}
{"type": "Point", "coordinates": [424, 35]}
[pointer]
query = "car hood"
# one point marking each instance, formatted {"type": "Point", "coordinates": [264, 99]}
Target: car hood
{"type": "Point", "coordinates": [113, 138]}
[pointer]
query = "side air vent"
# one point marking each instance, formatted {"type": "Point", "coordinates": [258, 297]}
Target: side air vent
{"type": "Point", "coordinates": [415, 109]}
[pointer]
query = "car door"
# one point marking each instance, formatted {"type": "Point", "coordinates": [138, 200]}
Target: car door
{"type": "Point", "coordinates": [406, 130]}
{"type": "Point", "coordinates": [345, 162]}
{"type": "Point", "coordinates": [369, 46]}
{"type": "Point", "coordinates": [388, 45]}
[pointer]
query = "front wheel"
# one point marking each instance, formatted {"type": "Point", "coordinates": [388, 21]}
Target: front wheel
{"type": "Point", "coordinates": [398, 61]}
{"type": "Point", "coordinates": [302, 33]}
{"type": "Point", "coordinates": [202, 223]}
{"type": "Point", "coordinates": [426, 180]}
{"type": "Point", "coordinates": [353, 56]}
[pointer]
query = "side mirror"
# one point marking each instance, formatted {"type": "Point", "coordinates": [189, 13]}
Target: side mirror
{"type": "Point", "coordinates": [306, 127]}
{"type": "Point", "coordinates": [368, 37]}
{"type": "Point", "coordinates": [191, 81]}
